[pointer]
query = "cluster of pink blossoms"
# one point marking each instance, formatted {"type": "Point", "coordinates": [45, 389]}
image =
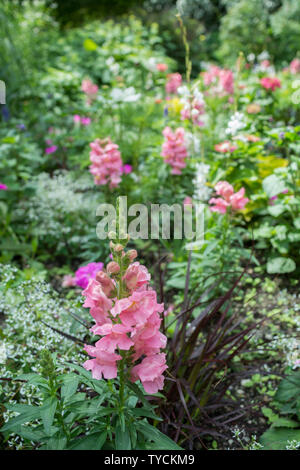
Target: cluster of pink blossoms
{"type": "Point", "coordinates": [228, 198]}
{"type": "Point", "coordinates": [128, 323]}
{"type": "Point", "coordinates": [85, 121]}
{"type": "Point", "coordinates": [193, 111]}
{"type": "Point", "coordinates": [270, 83]}
{"type": "Point", "coordinates": [224, 147]}
{"type": "Point", "coordinates": [173, 83]}
{"type": "Point", "coordinates": [90, 89]}
{"type": "Point", "coordinates": [222, 79]}
{"type": "Point", "coordinates": [174, 149]}
{"type": "Point", "coordinates": [106, 162]}
{"type": "Point", "coordinates": [295, 66]}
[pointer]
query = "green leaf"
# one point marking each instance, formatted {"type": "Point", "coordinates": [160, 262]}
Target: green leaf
{"type": "Point", "coordinates": [123, 441]}
{"type": "Point", "coordinates": [90, 45]}
{"type": "Point", "coordinates": [273, 185]}
{"type": "Point", "coordinates": [93, 441]}
{"type": "Point", "coordinates": [280, 265]}
{"type": "Point", "coordinates": [276, 438]}
{"type": "Point", "coordinates": [47, 413]}
{"type": "Point", "coordinates": [163, 442]}
{"type": "Point", "coordinates": [70, 385]}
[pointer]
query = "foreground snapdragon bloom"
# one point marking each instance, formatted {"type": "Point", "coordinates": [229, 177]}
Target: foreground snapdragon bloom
{"type": "Point", "coordinates": [228, 198]}
{"type": "Point", "coordinates": [270, 83]}
{"type": "Point", "coordinates": [128, 320]}
{"type": "Point", "coordinates": [107, 165]}
{"type": "Point", "coordinates": [174, 149]}
{"type": "Point", "coordinates": [173, 83]}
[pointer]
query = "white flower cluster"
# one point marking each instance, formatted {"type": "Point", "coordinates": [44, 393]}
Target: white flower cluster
{"type": "Point", "coordinates": [202, 191]}
{"type": "Point", "coordinates": [235, 124]}
{"type": "Point", "coordinates": [59, 204]}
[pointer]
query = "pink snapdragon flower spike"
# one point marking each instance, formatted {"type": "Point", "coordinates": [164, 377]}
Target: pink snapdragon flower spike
{"type": "Point", "coordinates": [174, 149]}
{"type": "Point", "coordinates": [222, 80]}
{"type": "Point", "coordinates": [85, 273]}
{"type": "Point", "coordinates": [270, 83]}
{"type": "Point", "coordinates": [225, 147]}
{"type": "Point", "coordinates": [3, 187]}
{"type": "Point", "coordinates": [228, 198]}
{"type": "Point", "coordinates": [127, 319]}
{"type": "Point", "coordinates": [90, 89]}
{"type": "Point", "coordinates": [173, 83]}
{"type": "Point", "coordinates": [106, 161]}
{"type": "Point", "coordinates": [295, 66]}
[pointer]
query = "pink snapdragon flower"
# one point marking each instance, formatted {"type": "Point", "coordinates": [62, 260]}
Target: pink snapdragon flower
{"type": "Point", "coordinates": [193, 111]}
{"type": "Point", "coordinates": [270, 83]}
{"type": "Point", "coordinates": [85, 273]}
{"type": "Point", "coordinates": [106, 161]}
{"type": "Point", "coordinates": [105, 363]}
{"type": "Point", "coordinates": [228, 198]}
{"type": "Point", "coordinates": [224, 147]}
{"type": "Point", "coordinates": [129, 324]}
{"type": "Point", "coordinates": [174, 149]}
{"type": "Point", "coordinates": [90, 89]}
{"type": "Point", "coordinates": [149, 371]}
{"type": "Point", "coordinates": [173, 83]}
{"type": "Point", "coordinates": [3, 187]}
{"type": "Point", "coordinates": [295, 66]}
{"type": "Point", "coordinates": [136, 276]}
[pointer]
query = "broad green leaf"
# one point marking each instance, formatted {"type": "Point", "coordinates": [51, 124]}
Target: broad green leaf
{"type": "Point", "coordinates": [280, 265]}
{"type": "Point", "coordinates": [47, 413]}
{"type": "Point", "coordinates": [153, 434]}
{"type": "Point", "coordinates": [93, 441]}
{"type": "Point", "coordinates": [123, 441]}
{"type": "Point", "coordinates": [276, 438]}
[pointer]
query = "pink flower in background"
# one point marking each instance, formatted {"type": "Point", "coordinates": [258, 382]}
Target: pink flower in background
{"type": "Point", "coordinates": [162, 67]}
{"type": "Point", "coordinates": [76, 118]}
{"type": "Point", "coordinates": [105, 363]}
{"type": "Point", "coordinates": [222, 79]}
{"type": "Point", "coordinates": [106, 162]}
{"type": "Point", "coordinates": [85, 273]}
{"type": "Point", "coordinates": [225, 147]}
{"type": "Point", "coordinates": [187, 201]}
{"type": "Point", "coordinates": [270, 83]}
{"type": "Point", "coordinates": [90, 89]}
{"type": "Point", "coordinates": [295, 66]}
{"type": "Point", "coordinates": [149, 371]}
{"type": "Point", "coordinates": [51, 149]}
{"type": "Point", "coordinates": [126, 169]}
{"type": "Point", "coordinates": [3, 187]}
{"type": "Point", "coordinates": [174, 81]}
{"type": "Point", "coordinates": [228, 198]}
{"type": "Point", "coordinates": [226, 80]}
{"type": "Point", "coordinates": [174, 149]}
{"type": "Point", "coordinates": [68, 281]}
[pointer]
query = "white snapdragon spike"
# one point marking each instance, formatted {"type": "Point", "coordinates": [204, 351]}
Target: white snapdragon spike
{"type": "Point", "coordinates": [183, 91]}
{"type": "Point", "coordinates": [202, 191]}
{"type": "Point", "coordinates": [263, 56]}
{"type": "Point", "coordinates": [124, 95]}
{"type": "Point", "coordinates": [235, 124]}
{"type": "Point", "coordinates": [192, 143]}
{"type": "Point", "coordinates": [3, 355]}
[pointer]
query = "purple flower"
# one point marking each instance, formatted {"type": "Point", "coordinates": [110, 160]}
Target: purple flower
{"type": "Point", "coordinates": [85, 273]}
{"type": "Point", "coordinates": [51, 149]}
{"type": "Point", "coordinates": [86, 121]}
{"type": "Point", "coordinates": [3, 187]}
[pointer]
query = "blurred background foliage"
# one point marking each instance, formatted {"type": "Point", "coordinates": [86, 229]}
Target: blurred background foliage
{"type": "Point", "coordinates": [217, 29]}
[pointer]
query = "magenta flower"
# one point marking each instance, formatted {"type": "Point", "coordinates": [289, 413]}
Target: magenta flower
{"type": "Point", "coordinates": [51, 149]}
{"type": "Point", "coordinates": [126, 169]}
{"type": "Point", "coordinates": [3, 187]}
{"type": "Point", "coordinates": [85, 273]}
